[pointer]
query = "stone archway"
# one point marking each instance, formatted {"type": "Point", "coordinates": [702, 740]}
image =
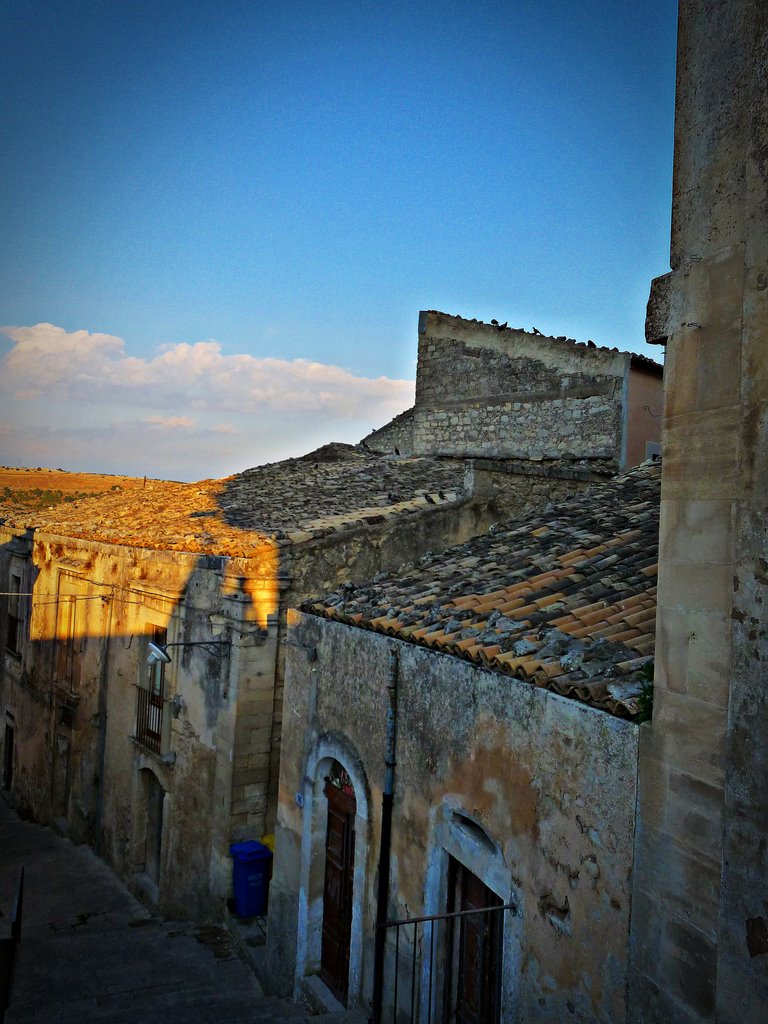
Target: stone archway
{"type": "Point", "coordinates": [338, 887]}
{"type": "Point", "coordinates": [314, 855]}
{"type": "Point", "coordinates": [462, 852]}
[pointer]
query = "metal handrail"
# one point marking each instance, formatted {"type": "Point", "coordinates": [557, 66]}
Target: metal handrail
{"type": "Point", "coordinates": [444, 917]}
{"type": "Point", "coordinates": [419, 963]}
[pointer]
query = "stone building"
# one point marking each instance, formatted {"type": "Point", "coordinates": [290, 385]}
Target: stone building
{"type": "Point", "coordinates": [700, 905]}
{"type": "Point", "coordinates": [513, 667]}
{"type": "Point", "coordinates": [492, 392]}
{"type": "Point", "coordinates": [162, 766]}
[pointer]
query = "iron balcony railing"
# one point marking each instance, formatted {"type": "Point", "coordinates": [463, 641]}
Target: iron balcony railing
{"type": "Point", "coordinates": [149, 719]}
{"type": "Point", "coordinates": [419, 978]}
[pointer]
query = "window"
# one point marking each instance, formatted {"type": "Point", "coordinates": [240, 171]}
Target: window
{"type": "Point", "coordinates": [68, 639]}
{"type": "Point", "coordinates": [150, 718]}
{"type": "Point", "coordinates": [13, 634]}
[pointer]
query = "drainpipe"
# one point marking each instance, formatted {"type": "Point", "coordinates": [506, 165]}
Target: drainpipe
{"type": "Point", "coordinates": [102, 744]}
{"type": "Point", "coordinates": [382, 897]}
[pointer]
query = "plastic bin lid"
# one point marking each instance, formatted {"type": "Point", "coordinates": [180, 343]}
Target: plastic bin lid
{"type": "Point", "coordinates": [251, 849]}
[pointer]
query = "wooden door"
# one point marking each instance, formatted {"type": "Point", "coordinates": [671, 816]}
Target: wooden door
{"type": "Point", "coordinates": [154, 838]}
{"type": "Point", "coordinates": [61, 775]}
{"type": "Point", "coordinates": [473, 980]}
{"type": "Point", "coordinates": [338, 888]}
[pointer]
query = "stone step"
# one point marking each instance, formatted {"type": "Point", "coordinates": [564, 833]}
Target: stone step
{"type": "Point", "coordinates": [181, 1007]}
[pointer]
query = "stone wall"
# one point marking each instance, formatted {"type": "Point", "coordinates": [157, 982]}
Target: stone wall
{"type": "Point", "coordinates": [700, 905]}
{"type": "Point", "coordinates": [491, 771]}
{"type": "Point", "coordinates": [481, 391]}
{"type": "Point", "coordinates": [470, 361]}
{"type": "Point", "coordinates": [551, 426]}
{"type": "Point", "coordinates": [316, 566]}
{"type": "Point", "coordinates": [518, 488]}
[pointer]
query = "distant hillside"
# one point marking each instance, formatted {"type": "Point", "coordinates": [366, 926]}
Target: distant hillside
{"type": "Point", "coordinates": [31, 489]}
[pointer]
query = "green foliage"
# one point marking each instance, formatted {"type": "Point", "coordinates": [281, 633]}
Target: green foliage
{"type": "Point", "coordinates": [36, 498]}
{"type": "Point", "coordinates": [645, 700]}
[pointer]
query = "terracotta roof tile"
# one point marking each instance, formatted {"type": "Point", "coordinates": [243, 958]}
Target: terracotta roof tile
{"type": "Point", "coordinates": [513, 601]}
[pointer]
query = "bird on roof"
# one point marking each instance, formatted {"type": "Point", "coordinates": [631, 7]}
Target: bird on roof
{"type": "Point", "coordinates": [429, 499]}
{"type": "Point", "coordinates": [537, 331]}
{"type": "Point", "coordinates": [397, 450]}
{"type": "Point", "coordinates": [502, 327]}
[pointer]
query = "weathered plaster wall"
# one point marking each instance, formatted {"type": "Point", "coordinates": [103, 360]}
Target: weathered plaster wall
{"type": "Point", "coordinates": [552, 783]}
{"type": "Point", "coordinates": [77, 759]}
{"type": "Point", "coordinates": [645, 413]}
{"type": "Point", "coordinates": [24, 705]}
{"type": "Point", "coordinates": [224, 733]}
{"type": "Point", "coordinates": [700, 906]}
{"type": "Point", "coordinates": [509, 394]}
{"type": "Point", "coordinates": [378, 544]}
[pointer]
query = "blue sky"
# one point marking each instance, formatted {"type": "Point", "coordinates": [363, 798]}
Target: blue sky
{"type": "Point", "coordinates": [294, 181]}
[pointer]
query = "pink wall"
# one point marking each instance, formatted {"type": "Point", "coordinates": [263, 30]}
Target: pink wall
{"type": "Point", "coordinates": [646, 392]}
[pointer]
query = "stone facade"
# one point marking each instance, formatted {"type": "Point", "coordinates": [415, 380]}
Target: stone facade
{"type": "Point", "coordinates": [700, 905]}
{"type": "Point", "coordinates": [154, 776]}
{"type": "Point", "coordinates": [162, 786]}
{"type": "Point", "coordinates": [493, 392]}
{"type": "Point", "coordinates": [521, 487]}
{"type": "Point", "coordinates": [533, 793]}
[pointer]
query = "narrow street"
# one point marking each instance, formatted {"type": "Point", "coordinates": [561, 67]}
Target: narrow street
{"type": "Point", "coordinates": [91, 952]}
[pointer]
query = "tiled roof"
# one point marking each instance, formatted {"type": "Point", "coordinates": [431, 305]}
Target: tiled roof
{"type": "Point", "coordinates": [565, 599]}
{"type": "Point", "coordinates": [336, 488]}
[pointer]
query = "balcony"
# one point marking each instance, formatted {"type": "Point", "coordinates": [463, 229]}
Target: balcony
{"type": "Point", "coordinates": [151, 717]}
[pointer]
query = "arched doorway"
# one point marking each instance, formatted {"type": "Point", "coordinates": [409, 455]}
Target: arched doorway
{"type": "Point", "coordinates": [469, 870]}
{"type": "Point", "coordinates": [338, 885]}
{"type": "Point", "coordinates": [319, 770]}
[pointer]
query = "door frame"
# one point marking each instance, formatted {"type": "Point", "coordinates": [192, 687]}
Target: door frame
{"type": "Point", "coordinates": [344, 805]}
{"type": "Point", "coordinates": [455, 833]}
{"type": "Point", "coordinates": [312, 876]}
{"type": "Point", "coordinates": [459, 876]}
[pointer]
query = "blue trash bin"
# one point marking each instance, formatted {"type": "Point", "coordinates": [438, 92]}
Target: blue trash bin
{"type": "Point", "coordinates": [251, 866]}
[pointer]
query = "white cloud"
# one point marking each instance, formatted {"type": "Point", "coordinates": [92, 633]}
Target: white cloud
{"type": "Point", "coordinates": [73, 366]}
{"type": "Point", "coordinates": [81, 401]}
{"type": "Point", "coordinates": [169, 422]}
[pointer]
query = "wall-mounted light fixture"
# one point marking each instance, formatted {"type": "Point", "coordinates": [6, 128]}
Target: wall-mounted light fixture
{"type": "Point", "coordinates": [159, 652]}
